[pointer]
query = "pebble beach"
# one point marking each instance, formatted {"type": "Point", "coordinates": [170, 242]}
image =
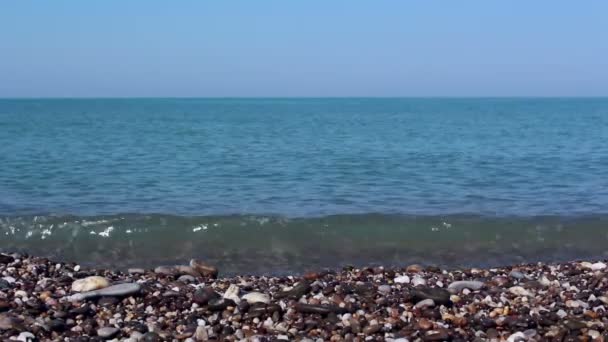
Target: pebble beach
{"type": "Point", "coordinates": [45, 300]}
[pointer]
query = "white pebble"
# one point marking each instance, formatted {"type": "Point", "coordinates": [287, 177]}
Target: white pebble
{"type": "Point", "coordinates": [402, 280]}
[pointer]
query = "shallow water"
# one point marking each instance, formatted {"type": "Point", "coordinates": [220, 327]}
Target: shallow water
{"type": "Point", "coordinates": [277, 185]}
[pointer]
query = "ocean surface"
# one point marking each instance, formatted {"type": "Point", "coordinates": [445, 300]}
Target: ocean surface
{"type": "Point", "coordinates": [284, 185]}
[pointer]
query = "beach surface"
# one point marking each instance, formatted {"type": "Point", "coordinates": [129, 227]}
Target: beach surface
{"type": "Point", "coordinates": [47, 300]}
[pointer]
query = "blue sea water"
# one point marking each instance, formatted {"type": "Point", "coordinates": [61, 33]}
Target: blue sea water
{"type": "Point", "coordinates": [355, 165]}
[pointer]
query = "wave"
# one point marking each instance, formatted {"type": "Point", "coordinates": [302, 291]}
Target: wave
{"type": "Point", "coordinates": [267, 244]}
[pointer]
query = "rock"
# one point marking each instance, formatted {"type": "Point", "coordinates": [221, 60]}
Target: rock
{"type": "Point", "coordinates": [519, 291]}
{"type": "Point", "coordinates": [517, 275]}
{"type": "Point", "coordinates": [517, 337]}
{"type": "Point", "coordinates": [114, 290]}
{"type": "Point", "coordinates": [318, 309]}
{"type": "Point", "coordinates": [57, 325]}
{"type": "Point", "coordinates": [574, 324]}
{"type": "Point", "coordinates": [136, 271]}
{"type": "Point", "coordinates": [204, 269]}
{"type": "Point", "coordinates": [423, 304]}
{"type": "Point", "coordinates": [7, 322]}
{"type": "Point", "coordinates": [438, 295]}
{"type": "Point", "coordinates": [402, 279]}
{"type": "Point", "coordinates": [188, 270]}
{"type": "Point", "coordinates": [90, 284]}
{"type": "Point", "coordinates": [186, 278]}
{"type": "Point", "coordinates": [108, 301]}
{"type": "Point", "coordinates": [26, 336]}
{"type": "Point", "coordinates": [371, 329]}
{"type": "Point", "coordinates": [232, 293]}
{"type": "Point", "coordinates": [136, 336]}
{"type": "Point", "coordinates": [256, 297]}
{"type": "Point", "coordinates": [384, 289]}
{"type": "Point", "coordinates": [414, 268]}
{"type": "Point", "coordinates": [204, 295]}
{"type": "Point", "coordinates": [301, 288]}
{"type": "Point", "coordinates": [598, 266]}
{"type": "Point", "coordinates": [219, 304]}
{"type": "Point", "coordinates": [418, 281]}
{"type": "Point", "coordinates": [458, 286]}
{"type": "Point", "coordinates": [436, 335]}
{"type": "Point", "coordinates": [6, 259]}
{"type": "Point", "coordinates": [107, 332]}
{"type": "Point", "coordinates": [166, 270]}
{"type": "Point", "coordinates": [201, 334]}
{"type": "Point", "coordinates": [151, 337]}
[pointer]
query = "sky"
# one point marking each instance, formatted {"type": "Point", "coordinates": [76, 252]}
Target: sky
{"type": "Point", "coordinates": [137, 48]}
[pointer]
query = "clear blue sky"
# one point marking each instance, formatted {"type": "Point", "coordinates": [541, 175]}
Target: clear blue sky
{"type": "Point", "coordinates": [303, 48]}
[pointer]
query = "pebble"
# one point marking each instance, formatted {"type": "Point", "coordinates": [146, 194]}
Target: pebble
{"type": "Point", "coordinates": [418, 281]}
{"type": "Point", "coordinates": [438, 295]}
{"type": "Point", "coordinates": [136, 271]}
{"type": "Point", "coordinates": [90, 284]}
{"type": "Point", "coordinates": [519, 291]}
{"type": "Point", "coordinates": [203, 268]}
{"type": "Point", "coordinates": [415, 268]}
{"type": "Point", "coordinates": [107, 332]}
{"type": "Point", "coordinates": [26, 336]}
{"type": "Point", "coordinates": [426, 303]}
{"type": "Point", "coordinates": [402, 279]}
{"type": "Point", "coordinates": [256, 297]}
{"type": "Point", "coordinates": [458, 286]}
{"type": "Point", "coordinates": [232, 293]}
{"type": "Point", "coordinates": [186, 278]}
{"type": "Point", "coordinates": [114, 290]}
{"type": "Point", "coordinates": [385, 289]}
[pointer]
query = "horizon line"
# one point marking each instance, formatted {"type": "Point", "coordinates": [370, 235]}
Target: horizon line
{"type": "Point", "coordinates": [304, 97]}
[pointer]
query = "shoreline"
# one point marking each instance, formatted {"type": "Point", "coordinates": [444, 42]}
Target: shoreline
{"type": "Point", "coordinates": [536, 302]}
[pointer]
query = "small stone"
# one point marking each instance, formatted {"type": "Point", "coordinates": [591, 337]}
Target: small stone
{"type": "Point", "coordinates": [300, 289]}
{"type": "Point", "coordinates": [201, 334]}
{"type": "Point", "coordinates": [418, 281]}
{"type": "Point", "coordinates": [256, 297]}
{"type": "Point", "coordinates": [516, 274]}
{"type": "Point", "coordinates": [186, 278]}
{"type": "Point", "coordinates": [7, 322]}
{"type": "Point", "coordinates": [423, 304]}
{"type": "Point", "coordinates": [136, 336]}
{"type": "Point", "coordinates": [114, 290]}
{"type": "Point", "coordinates": [232, 293]}
{"type": "Point", "coordinates": [402, 279]}
{"type": "Point", "coordinates": [90, 284]}
{"type": "Point", "coordinates": [57, 325]}
{"type": "Point", "coordinates": [204, 295]}
{"type": "Point", "coordinates": [6, 259]}
{"type": "Point", "coordinates": [372, 329]}
{"type": "Point", "coordinates": [151, 337]}
{"type": "Point", "coordinates": [166, 270]}
{"type": "Point", "coordinates": [517, 337]}
{"type": "Point", "coordinates": [436, 335]}
{"type": "Point", "coordinates": [107, 332]}
{"type": "Point", "coordinates": [204, 269]}
{"type": "Point", "coordinates": [519, 291]}
{"type": "Point", "coordinates": [574, 324]}
{"type": "Point", "coordinates": [425, 324]}
{"type": "Point", "coordinates": [26, 336]}
{"type": "Point", "coordinates": [458, 286]}
{"type": "Point", "coordinates": [415, 268]}
{"type": "Point", "coordinates": [385, 289]}
{"type": "Point", "coordinates": [438, 295]}
{"type": "Point", "coordinates": [136, 271]}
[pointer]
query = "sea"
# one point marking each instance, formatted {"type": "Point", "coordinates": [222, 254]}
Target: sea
{"type": "Point", "coordinates": [284, 185]}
